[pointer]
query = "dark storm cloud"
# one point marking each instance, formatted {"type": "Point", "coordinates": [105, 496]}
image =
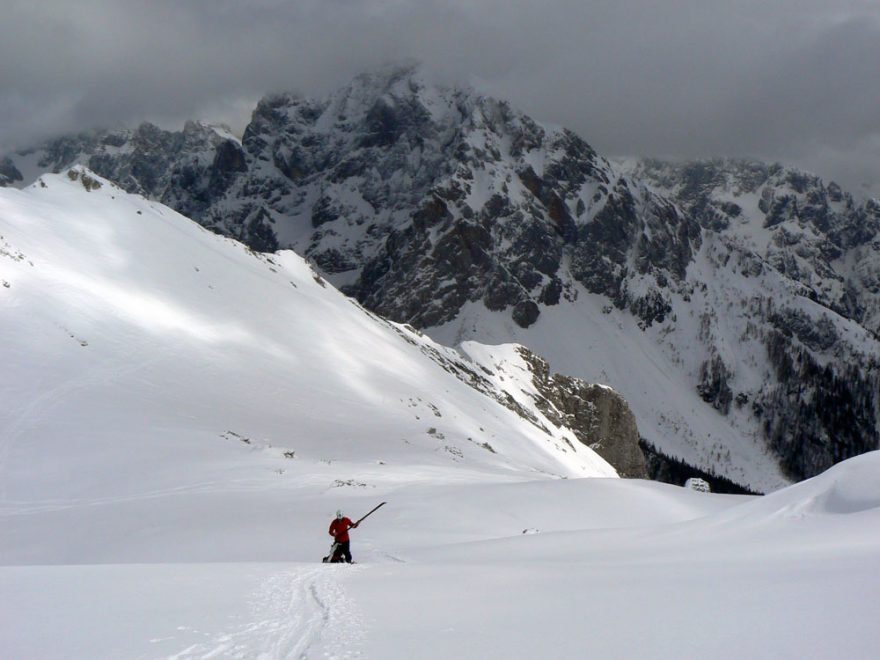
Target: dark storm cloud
{"type": "Point", "coordinates": [795, 80]}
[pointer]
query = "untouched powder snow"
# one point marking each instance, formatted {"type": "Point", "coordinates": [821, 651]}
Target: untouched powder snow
{"type": "Point", "coordinates": [180, 419]}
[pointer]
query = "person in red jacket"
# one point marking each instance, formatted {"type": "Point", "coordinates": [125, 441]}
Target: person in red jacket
{"type": "Point", "coordinates": [339, 531]}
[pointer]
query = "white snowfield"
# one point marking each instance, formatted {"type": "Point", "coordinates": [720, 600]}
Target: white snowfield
{"type": "Point", "coordinates": [180, 418]}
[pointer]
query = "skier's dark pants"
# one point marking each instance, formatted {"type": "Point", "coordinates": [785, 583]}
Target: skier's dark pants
{"type": "Point", "coordinates": [343, 553]}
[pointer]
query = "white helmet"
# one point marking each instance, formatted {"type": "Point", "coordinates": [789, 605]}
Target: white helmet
{"type": "Point", "coordinates": [338, 514]}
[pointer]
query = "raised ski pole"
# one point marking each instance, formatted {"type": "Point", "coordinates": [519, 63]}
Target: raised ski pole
{"type": "Point", "coordinates": [358, 522]}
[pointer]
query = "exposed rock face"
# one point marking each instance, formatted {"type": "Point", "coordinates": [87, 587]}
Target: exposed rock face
{"type": "Point", "coordinates": [414, 198]}
{"type": "Point", "coordinates": [9, 174]}
{"type": "Point", "coordinates": [599, 416]}
{"type": "Point", "coordinates": [820, 252]}
{"type": "Point", "coordinates": [88, 182]}
{"type": "Point", "coordinates": [421, 199]}
{"type": "Point", "coordinates": [188, 170]}
{"type": "Point", "coordinates": [819, 236]}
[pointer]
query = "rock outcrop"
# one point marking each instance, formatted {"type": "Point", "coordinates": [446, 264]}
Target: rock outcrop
{"type": "Point", "coordinates": [9, 173]}
{"type": "Point", "coordinates": [598, 416]}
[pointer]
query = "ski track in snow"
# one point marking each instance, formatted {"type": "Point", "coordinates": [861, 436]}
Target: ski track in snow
{"type": "Point", "coordinates": [301, 613]}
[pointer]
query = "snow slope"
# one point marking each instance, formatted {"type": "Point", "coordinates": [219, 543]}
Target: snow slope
{"type": "Point", "coordinates": [181, 418]}
{"type": "Point", "coordinates": [138, 345]}
{"type": "Point", "coordinates": [569, 568]}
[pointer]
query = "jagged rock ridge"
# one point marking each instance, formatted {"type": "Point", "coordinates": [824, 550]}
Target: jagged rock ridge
{"type": "Point", "coordinates": [416, 198]}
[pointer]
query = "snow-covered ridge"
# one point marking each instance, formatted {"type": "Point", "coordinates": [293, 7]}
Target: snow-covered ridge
{"type": "Point", "coordinates": [850, 488]}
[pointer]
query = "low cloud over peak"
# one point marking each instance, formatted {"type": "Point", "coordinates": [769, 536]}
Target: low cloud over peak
{"type": "Point", "coordinates": [793, 80]}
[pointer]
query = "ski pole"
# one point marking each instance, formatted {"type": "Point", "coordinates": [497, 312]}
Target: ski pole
{"type": "Point", "coordinates": [371, 512]}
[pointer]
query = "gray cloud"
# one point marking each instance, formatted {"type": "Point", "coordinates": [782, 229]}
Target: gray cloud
{"type": "Point", "coordinates": [791, 80]}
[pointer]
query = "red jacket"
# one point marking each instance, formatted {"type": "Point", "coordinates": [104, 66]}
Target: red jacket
{"type": "Point", "coordinates": [339, 529]}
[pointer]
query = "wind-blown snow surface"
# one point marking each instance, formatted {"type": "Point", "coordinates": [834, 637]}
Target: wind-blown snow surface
{"type": "Point", "coordinates": [140, 352]}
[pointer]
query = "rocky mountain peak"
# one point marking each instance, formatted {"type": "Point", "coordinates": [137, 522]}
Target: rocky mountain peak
{"type": "Point", "coordinates": [393, 170]}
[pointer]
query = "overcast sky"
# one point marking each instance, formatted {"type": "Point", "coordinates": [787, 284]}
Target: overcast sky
{"type": "Point", "coordinates": [790, 80]}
